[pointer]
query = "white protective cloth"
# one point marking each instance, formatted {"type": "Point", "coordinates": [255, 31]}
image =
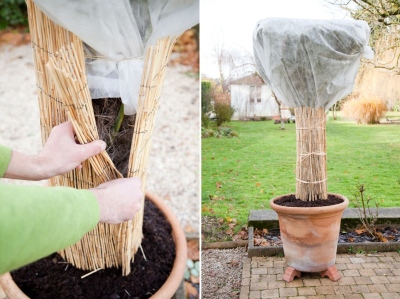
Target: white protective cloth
{"type": "Point", "coordinates": [310, 63]}
{"type": "Point", "coordinates": [116, 34]}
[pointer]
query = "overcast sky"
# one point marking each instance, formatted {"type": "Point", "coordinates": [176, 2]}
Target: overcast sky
{"type": "Point", "coordinates": [235, 20]}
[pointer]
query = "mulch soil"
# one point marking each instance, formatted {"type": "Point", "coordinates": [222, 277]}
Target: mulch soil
{"type": "Point", "coordinates": [52, 277]}
{"type": "Point", "coordinates": [292, 201]}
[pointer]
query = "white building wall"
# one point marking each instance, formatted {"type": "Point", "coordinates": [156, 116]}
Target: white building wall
{"type": "Point", "coordinates": [240, 100]}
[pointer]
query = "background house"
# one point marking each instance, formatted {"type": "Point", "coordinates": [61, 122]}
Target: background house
{"type": "Point", "coordinates": [252, 98]}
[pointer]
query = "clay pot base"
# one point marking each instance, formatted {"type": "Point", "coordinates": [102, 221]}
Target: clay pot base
{"type": "Point", "coordinates": [332, 273]}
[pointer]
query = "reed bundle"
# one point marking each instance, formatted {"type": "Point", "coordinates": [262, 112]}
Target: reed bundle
{"type": "Point", "coordinates": [64, 95]}
{"type": "Point", "coordinates": [311, 180]}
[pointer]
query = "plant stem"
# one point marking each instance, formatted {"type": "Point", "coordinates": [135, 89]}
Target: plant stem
{"type": "Point", "coordinates": [118, 121]}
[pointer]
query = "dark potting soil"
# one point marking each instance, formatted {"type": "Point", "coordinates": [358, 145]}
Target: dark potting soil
{"type": "Point", "coordinates": [292, 201]}
{"type": "Point", "coordinates": [51, 277]}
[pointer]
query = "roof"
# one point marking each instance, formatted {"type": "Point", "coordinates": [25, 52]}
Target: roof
{"type": "Point", "coordinates": [253, 79]}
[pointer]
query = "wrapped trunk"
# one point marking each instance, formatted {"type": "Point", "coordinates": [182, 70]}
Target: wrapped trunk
{"type": "Point", "coordinates": [311, 171]}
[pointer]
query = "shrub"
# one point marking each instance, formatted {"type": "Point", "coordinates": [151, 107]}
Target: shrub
{"type": "Point", "coordinates": [12, 13]}
{"type": "Point", "coordinates": [368, 111]}
{"type": "Point", "coordinates": [206, 96]}
{"type": "Point", "coordinates": [205, 120]}
{"type": "Point", "coordinates": [223, 113]}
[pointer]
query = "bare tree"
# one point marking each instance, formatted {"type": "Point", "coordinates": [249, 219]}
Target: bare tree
{"type": "Point", "coordinates": [232, 62]}
{"type": "Point", "coordinates": [280, 110]}
{"type": "Point", "coordinates": [383, 16]}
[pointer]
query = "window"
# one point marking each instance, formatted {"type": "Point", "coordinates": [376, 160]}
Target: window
{"type": "Point", "coordinates": [255, 94]}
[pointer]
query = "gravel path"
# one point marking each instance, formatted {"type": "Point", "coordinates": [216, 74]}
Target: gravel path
{"type": "Point", "coordinates": [174, 162]}
{"type": "Point", "coordinates": [221, 272]}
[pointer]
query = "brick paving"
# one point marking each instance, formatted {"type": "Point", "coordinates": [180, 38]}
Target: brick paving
{"type": "Point", "coordinates": [364, 276]}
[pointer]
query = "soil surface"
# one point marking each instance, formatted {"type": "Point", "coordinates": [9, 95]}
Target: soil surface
{"type": "Point", "coordinates": [52, 277]}
{"type": "Point", "coordinates": [292, 201]}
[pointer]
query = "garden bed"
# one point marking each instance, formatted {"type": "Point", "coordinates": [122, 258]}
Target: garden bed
{"type": "Point", "coordinates": [266, 242]}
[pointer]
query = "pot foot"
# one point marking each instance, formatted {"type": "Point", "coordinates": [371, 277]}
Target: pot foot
{"type": "Point", "coordinates": [290, 274]}
{"type": "Point", "coordinates": [332, 273]}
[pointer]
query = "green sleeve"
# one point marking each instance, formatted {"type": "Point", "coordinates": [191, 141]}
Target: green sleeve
{"type": "Point", "coordinates": [5, 157]}
{"type": "Point", "coordinates": [37, 221]}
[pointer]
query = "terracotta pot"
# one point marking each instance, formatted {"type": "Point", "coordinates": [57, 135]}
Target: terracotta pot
{"type": "Point", "coordinates": [310, 235]}
{"type": "Point", "coordinates": [170, 286]}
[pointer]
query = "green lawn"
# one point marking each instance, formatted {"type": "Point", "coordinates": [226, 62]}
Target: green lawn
{"type": "Point", "coordinates": [244, 173]}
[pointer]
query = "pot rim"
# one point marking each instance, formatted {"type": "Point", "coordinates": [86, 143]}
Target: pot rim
{"type": "Point", "coordinates": [309, 210]}
{"type": "Point", "coordinates": [174, 279]}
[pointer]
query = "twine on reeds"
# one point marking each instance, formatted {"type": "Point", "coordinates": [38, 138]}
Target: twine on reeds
{"type": "Point", "coordinates": [311, 180]}
{"type": "Point", "coordinates": [64, 95]}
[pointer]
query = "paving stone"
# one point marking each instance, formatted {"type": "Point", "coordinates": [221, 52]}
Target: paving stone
{"type": "Point", "coordinates": [275, 285]}
{"type": "Point", "coordinates": [379, 279]}
{"type": "Point", "coordinates": [243, 296]}
{"type": "Point", "coordinates": [255, 295]}
{"type": "Point", "coordinates": [346, 281]}
{"type": "Point", "coordinates": [308, 291]}
{"type": "Point", "coordinates": [360, 289]}
{"type": "Point", "coordinates": [353, 296]}
{"type": "Point", "coordinates": [377, 288]}
{"type": "Point", "coordinates": [245, 281]}
{"type": "Point", "coordinates": [342, 289]}
{"type": "Point", "coordinates": [328, 282]}
{"type": "Point", "coordinates": [312, 282]}
{"type": "Point", "coordinates": [255, 278]}
{"type": "Point", "coordinates": [390, 295]}
{"type": "Point", "coordinates": [260, 271]}
{"type": "Point", "coordinates": [393, 288]}
{"type": "Point", "coordinates": [383, 271]}
{"type": "Point", "coordinates": [341, 266]}
{"type": "Point", "coordinates": [245, 290]}
{"type": "Point", "coordinates": [245, 274]}
{"type": "Point", "coordinates": [387, 259]}
{"type": "Point", "coordinates": [279, 264]}
{"type": "Point", "coordinates": [259, 259]}
{"type": "Point", "coordinates": [258, 286]}
{"type": "Point", "coordinates": [298, 297]}
{"type": "Point", "coordinates": [268, 277]}
{"type": "Point", "coordinates": [393, 279]}
{"type": "Point", "coordinates": [354, 266]}
{"type": "Point", "coordinates": [268, 264]}
{"type": "Point", "coordinates": [316, 297]}
{"type": "Point", "coordinates": [370, 266]}
{"type": "Point", "coordinates": [278, 270]}
{"type": "Point", "coordinates": [384, 265]}
{"type": "Point", "coordinates": [295, 283]}
{"type": "Point", "coordinates": [372, 259]}
{"type": "Point", "coordinates": [270, 294]}
{"type": "Point", "coordinates": [367, 272]}
{"type": "Point", "coordinates": [362, 280]}
{"type": "Point", "coordinates": [287, 292]}
{"type": "Point", "coordinates": [357, 260]}
{"type": "Point", "coordinates": [372, 296]}
{"type": "Point", "coordinates": [324, 290]}
{"type": "Point", "coordinates": [352, 272]}
{"type": "Point", "coordinates": [334, 297]}
{"type": "Point", "coordinates": [343, 260]}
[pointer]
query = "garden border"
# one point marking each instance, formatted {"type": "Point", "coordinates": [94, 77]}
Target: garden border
{"type": "Point", "coordinates": [269, 219]}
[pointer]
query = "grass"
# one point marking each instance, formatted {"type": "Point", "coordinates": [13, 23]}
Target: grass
{"type": "Point", "coordinates": [244, 173]}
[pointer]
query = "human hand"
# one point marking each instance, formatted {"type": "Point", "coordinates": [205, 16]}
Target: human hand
{"type": "Point", "coordinates": [61, 153]}
{"type": "Point", "coordinates": [119, 199]}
